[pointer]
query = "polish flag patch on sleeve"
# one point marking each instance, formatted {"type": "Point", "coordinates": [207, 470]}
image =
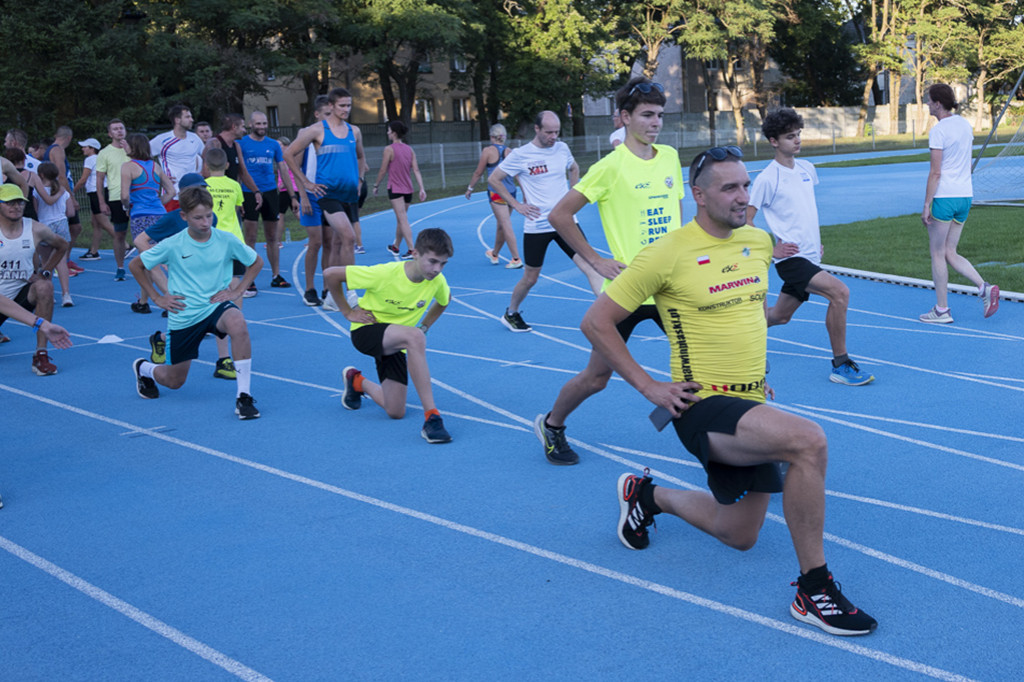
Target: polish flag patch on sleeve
{"type": "Point", "coordinates": [703, 260]}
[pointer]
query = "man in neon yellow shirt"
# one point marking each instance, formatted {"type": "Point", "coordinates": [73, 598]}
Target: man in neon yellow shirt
{"type": "Point", "coordinates": [384, 326]}
{"type": "Point", "coordinates": [709, 280]}
{"type": "Point", "coordinates": [638, 189]}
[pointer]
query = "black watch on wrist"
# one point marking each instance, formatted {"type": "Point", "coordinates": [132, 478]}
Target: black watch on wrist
{"type": "Point", "coordinates": [45, 274]}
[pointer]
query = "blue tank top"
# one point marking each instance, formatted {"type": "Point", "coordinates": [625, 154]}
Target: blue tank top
{"type": "Point", "coordinates": [145, 192]}
{"type": "Point", "coordinates": [337, 166]}
{"type": "Point", "coordinates": [508, 181]}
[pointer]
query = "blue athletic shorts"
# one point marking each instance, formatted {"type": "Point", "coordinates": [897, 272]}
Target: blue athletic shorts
{"type": "Point", "coordinates": [951, 208]}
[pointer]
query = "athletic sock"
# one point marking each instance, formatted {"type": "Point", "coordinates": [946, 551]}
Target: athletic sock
{"type": "Point", "coordinates": [815, 579]}
{"type": "Point", "coordinates": [547, 424]}
{"type": "Point", "coordinates": [647, 499]}
{"type": "Point", "coordinates": [146, 369]}
{"type": "Point", "coordinates": [840, 360]}
{"type": "Point", "coordinates": [243, 376]}
{"type": "Point", "coordinates": [357, 383]}
{"type": "Point", "coordinates": [941, 310]}
{"type": "Point", "coordinates": [428, 413]}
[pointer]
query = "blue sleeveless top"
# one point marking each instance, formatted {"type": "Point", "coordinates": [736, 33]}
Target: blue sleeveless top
{"type": "Point", "coordinates": [508, 181]}
{"type": "Point", "coordinates": [337, 166]}
{"type": "Point", "coordinates": [145, 192]}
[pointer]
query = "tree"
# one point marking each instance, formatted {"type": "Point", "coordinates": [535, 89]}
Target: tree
{"type": "Point", "coordinates": [398, 37]}
{"type": "Point", "coordinates": [78, 66]}
{"type": "Point", "coordinates": [815, 52]}
{"type": "Point", "coordinates": [648, 25]}
{"type": "Point", "coordinates": [998, 41]}
{"type": "Point", "coordinates": [560, 51]}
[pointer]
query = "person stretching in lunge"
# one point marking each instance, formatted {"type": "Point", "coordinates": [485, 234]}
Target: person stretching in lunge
{"type": "Point", "coordinates": [384, 326]}
{"type": "Point", "coordinates": [785, 190]}
{"type": "Point", "coordinates": [199, 297]}
{"type": "Point", "coordinates": [709, 280]}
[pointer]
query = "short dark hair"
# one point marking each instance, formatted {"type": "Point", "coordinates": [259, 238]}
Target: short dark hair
{"type": "Point", "coordinates": [19, 135]}
{"type": "Point", "coordinates": [138, 147]}
{"type": "Point", "coordinates": [175, 112]}
{"type": "Point", "coordinates": [336, 94]}
{"type": "Point", "coordinates": [780, 122]}
{"type": "Point", "coordinates": [943, 94]}
{"type": "Point", "coordinates": [628, 97]}
{"type": "Point", "coordinates": [204, 123]}
{"type": "Point", "coordinates": [196, 195]}
{"type": "Point", "coordinates": [15, 156]}
{"type": "Point", "coordinates": [229, 121]}
{"type": "Point", "coordinates": [435, 240]}
{"type": "Point", "coordinates": [112, 122]}
{"type": "Point", "coordinates": [216, 158]}
{"type": "Point", "coordinates": [704, 160]}
{"type": "Point", "coordinates": [398, 128]}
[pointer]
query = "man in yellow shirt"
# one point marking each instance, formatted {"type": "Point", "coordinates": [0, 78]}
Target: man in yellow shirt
{"type": "Point", "coordinates": [709, 281]}
{"type": "Point", "coordinates": [638, 189]}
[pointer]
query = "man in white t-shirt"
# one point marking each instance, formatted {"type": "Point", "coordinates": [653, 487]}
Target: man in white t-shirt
{"type": "Point", "coordinates": [540, 167]}
{"type": "Point", "coordinates": [179, 151]}
{"type": "Point", "coordinates": [618, 135]}
{"type": "Point", "coordinates": [785, 190]}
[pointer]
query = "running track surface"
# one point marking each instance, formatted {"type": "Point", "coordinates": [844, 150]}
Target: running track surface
{"type": "Point", "coordinates": [168, 540]}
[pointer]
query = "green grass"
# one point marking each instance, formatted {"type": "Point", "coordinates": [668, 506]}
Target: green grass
{"type": "Point", "coordinates": [899, 246]}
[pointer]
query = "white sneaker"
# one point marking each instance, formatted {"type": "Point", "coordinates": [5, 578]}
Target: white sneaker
{"type": "Point", "coordinates": [933, 316]}
{"type": "Point", "coordinates": [329, 303]}
{"type": "Point", "coordinates": [990, 298]}
{"type": "Point", "coordinates": [65, 300]}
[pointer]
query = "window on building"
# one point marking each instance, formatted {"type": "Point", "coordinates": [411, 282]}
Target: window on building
{"type": "Point", "coordinates": [458, 65]}
{"type": "Point", "coordinates": [424, 110]}
{"type": "Point", "coordinates": [273, 117]}
{"type": "Point", "coordinates": [460, 109]}
{"type": "Point", "coordinates": [426, 66]}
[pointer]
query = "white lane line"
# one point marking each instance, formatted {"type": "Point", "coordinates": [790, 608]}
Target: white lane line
{"type": "Point", "coordinates": [141, 617]}
{"type": "Point", "coordinates": [905, 422]}
{"type": "Point", "coordinates": [624, 578]}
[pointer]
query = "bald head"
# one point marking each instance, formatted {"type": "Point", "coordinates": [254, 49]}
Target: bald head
{"type": "Point", "coordinates": [547, 126]}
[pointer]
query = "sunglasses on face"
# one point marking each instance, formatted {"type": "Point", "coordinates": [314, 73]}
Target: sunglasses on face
{"type": "Point", "coordinates": [645, 88]}
{"type": "Point", "coordinates": [718, 154]}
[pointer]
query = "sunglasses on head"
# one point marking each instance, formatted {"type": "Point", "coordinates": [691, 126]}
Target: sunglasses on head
{"type": "Point", "coordinates": [646, 87]}
{"type": "Point", "coordinates": [718, 154]}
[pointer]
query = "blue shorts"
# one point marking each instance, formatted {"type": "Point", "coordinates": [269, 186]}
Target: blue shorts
{"type": "Point", "coordinates": [314, 219]}
{"type": "Point", "coordinates": [183, 344]}
{"type": "Point", "coordinates": [946, 209]}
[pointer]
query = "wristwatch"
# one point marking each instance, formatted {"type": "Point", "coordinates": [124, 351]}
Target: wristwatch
{"type": "Point", "coordinates": [45, 274]}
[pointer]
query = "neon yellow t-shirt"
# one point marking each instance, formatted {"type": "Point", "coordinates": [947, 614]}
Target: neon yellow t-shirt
{"type": "Point", "coordinates": [710, 295]}
{"type": "Point", "coordinates": [391, 296]}
{"type": "Point", "coordinates": [638, 199]}
{"type": "Point", "coordinates": [227, 197]}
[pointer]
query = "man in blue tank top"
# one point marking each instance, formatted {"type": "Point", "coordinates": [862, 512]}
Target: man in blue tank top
{"type": "Point", "coordinates": [340, 168]}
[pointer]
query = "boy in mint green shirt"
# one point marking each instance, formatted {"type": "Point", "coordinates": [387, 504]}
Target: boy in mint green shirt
{"type": "Point", "coordinates": [199, 297]}
{"type": "Point", "coordinates": [384, 326]}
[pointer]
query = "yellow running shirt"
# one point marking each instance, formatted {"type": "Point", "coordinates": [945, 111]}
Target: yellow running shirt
{"type": "Point", "coordinates": [391, 296]}
{"type": "Point", "coordinates": [710, 295]}
{"type": "Point", "coordinates": [638, 199]}
{"type": "Point", "coordinates": [227, 196]}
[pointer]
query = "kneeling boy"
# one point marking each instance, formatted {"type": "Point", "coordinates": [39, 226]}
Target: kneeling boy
{"type": "Point", "coordinates": [384, 326]}
{"type": "Point", "coordinates": [199, 297]}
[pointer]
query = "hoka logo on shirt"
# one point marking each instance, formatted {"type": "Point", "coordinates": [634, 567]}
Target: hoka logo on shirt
{"type": "Point", "coordinates": [733, 284]}
{"type": "Point", "coordinates": [538, 170]}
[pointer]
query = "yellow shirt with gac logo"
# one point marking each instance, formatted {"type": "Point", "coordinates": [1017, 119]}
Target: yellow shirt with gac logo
{"type": "Point", "coordinates": [710, 295]}
{"type": "Point", "coordinates": [391, 296]}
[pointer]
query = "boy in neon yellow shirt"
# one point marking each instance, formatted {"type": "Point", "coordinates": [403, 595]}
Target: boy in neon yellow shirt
{"type": "Point", "coordinates": [226, 193]}
{"type": "Point", "coordinates": [384, 326]}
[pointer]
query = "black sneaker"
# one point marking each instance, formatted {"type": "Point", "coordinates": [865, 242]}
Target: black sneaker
{"type": "Point", "coordinates": [251, 291]}
{"type": "Point", "coordinates": [142, 308]}
{"type": "Point", "coordinates": [514, 321]}
{"type": "Point", "coordinates": [311, 299]}
{"type": "Point", "coordinates": [633, 519]}
{"type": "Point", "coordinates": [830, 610]}
{"type": "Point", "coordinates": [144, 386]}
{"type": "Point", "coordinates": [225, 369]}
{"type": "Point", "coordinates": [434, 431]}
{"type": "Point", "coordinates": [89, 255]}
{"type": "Point", "coordinates": [245, 407]}
{"type": "Point", "coordinates": [279, 282]}
{"type": "Point", "coordinates": [351, 398]}
{"type": "Point", "coordinates": [556, 448]}
{"type": "Point", "coordinates": [157, 348]}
